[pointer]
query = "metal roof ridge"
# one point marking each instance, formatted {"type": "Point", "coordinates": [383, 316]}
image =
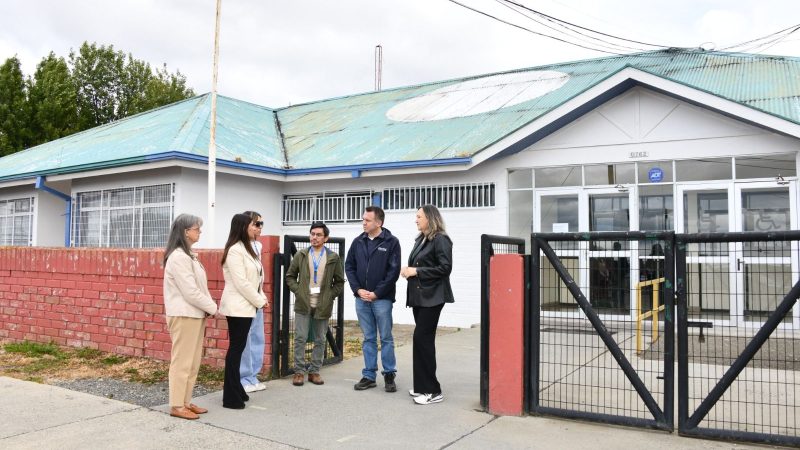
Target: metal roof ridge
{"type": "Point", "coordinates": [192, 125]}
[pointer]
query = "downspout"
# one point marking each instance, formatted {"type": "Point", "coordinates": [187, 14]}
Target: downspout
{"type": "Point", "coordinates": [41, 186]}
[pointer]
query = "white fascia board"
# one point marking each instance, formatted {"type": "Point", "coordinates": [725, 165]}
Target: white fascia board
{"type": "Point", "coordinates": [159, 165]}
{"type": "Point", "coordinates": [20, 182]}
{"type": "Point", "coordinates": [647, 80]}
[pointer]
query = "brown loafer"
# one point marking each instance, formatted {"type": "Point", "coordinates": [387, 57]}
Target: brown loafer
{"type": "Point", "coordinates": [297, 379]}
{"type": "Point", "coordinates": [196, 409]}
{"type": "Point", "coordinates": [315, 378]}
{"type": "Point", "coordinates": [183, 413]}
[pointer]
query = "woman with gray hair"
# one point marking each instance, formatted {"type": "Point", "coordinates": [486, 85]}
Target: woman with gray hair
{"type": "Point", "coordinates": [187, 303]}
{"type": "Point", "coordinates": [428, 275]}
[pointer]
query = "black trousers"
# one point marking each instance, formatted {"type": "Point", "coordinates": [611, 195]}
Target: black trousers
{"type": "Point", "coordinates": [427, 319]}
{"type": "Point", "coordinates": [233, 394]}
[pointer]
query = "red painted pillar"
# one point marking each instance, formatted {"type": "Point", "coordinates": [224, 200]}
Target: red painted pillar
{"type": "Point", "coordinates": [506, 321]}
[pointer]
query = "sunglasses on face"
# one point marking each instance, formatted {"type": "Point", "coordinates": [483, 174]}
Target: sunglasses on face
{"type": "Point", "coordinates": [259, 223]}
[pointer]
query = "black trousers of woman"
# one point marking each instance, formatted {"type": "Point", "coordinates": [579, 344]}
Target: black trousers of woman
{"type": "Point", "coordinates": [233, 394]}
{"type": "Point", "coordinates": [427, 319]}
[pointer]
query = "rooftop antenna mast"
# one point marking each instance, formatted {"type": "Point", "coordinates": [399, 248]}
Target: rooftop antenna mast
{"type": "Point", "coordinates": [378, 66]}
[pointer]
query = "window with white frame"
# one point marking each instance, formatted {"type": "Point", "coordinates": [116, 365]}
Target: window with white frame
{"type": "Point", "coordinates": [135, 217]}
{"type": "Point", "coordinates": [16, 221]}
{"type": "Point", "coordinates": [469, 195]}
{"type": "Point", "coordinates": [341, 207]}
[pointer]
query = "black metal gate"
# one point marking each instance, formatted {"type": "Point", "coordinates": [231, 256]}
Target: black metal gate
{"type": "Point", "coordinates": [283, 311]}
{"type": "Point", "coordinates": [600, 324]}
{"type": "Point", "coordinates": [599, 355]}
{"type": "Point", "coordinates": [738, 336]}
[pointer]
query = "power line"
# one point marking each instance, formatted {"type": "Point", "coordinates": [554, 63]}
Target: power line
{"type": "Point", "coordinates": [531, 31]}
{"type": "Point", "coordinates": [601, 43]}
{"type": "Point", "coordinates": [584, 28]}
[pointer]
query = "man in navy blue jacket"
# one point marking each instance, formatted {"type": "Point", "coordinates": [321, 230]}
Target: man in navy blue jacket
{"type": "Point", "coordinates": [372, 267]}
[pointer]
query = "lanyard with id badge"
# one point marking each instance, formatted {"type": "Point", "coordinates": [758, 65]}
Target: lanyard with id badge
{"type": "Point", "coordinates": [315, 261]}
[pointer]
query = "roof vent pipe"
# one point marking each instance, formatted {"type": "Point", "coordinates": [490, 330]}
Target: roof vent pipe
{"type": "Point", "coordinates": [68, 221]}
{"type": "Point", "coordinates": [378, 66]}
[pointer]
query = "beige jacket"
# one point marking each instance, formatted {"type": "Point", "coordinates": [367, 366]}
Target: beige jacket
{"type": "Point", "coordinates": [244, 277]}
{"type": "Point", "coordinates": [186, 287]}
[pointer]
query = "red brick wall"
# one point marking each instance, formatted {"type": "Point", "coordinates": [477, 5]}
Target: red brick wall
{"type": "Point", "coordinates": [107, 299]}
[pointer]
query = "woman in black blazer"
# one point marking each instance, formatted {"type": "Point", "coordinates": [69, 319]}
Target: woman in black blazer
{"type": "Point", "coordinates": [428, 275]}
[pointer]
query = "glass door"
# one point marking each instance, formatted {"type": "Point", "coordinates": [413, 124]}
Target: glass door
{"type": "Point", "coordinates": [609, 261]}
{"type": "Point", "coordinates": [764, 269]}
{"type": "Point", "coordinates": [710, 272]}
{"type": "Point", "coordinates": [558, 211]}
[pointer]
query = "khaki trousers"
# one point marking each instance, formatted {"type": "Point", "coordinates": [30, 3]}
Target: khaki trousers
{"type": "Point", "coordinates": [187, 335]}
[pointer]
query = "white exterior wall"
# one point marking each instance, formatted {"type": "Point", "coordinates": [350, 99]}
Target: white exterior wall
{"type": "Point", "coordinates": [464, 225]}
{"type": "Point", "coordinates": [51, 216]}
{"type": "Point", "coordinates": [235, 194]}
{"type": "Point", "coordinates": [641, 120]}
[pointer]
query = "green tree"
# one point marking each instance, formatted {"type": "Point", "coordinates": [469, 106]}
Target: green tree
{"type": "Point", "coordinates": [98, 73]}
{"type": "Point", "coordinates": [15, 114]}
{"type": "Point", "coordinates": [133, 87]}
{"type": "Point", "coordinates": [165, 88]}
{"type": "Point", "coordinates": [52, 96]}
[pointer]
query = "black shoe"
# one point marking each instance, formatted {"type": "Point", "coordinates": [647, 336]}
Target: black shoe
{"type": "Point", "coordinates": [364, 384]}
{"type": "Point", "coordinates": [389, 380]}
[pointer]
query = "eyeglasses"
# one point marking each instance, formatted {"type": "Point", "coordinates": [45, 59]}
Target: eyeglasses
{"type": "Point", "coordinates": [193, 229]}
{"type": "Point", "coordinates": [259, 224]}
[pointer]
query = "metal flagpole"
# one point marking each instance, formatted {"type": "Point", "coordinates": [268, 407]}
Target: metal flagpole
{"type": "Point", "coordinates": [212, 145]}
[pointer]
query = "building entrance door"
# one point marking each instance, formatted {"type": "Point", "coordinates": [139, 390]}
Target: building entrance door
{"type": "Point", "coordinates": [763, 269]}
{"type": "Point", "coordinates": [706, 208]}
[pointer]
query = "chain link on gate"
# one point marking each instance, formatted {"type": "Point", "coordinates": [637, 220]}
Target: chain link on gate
{"type": "Point", "coordinates": [283, 311]}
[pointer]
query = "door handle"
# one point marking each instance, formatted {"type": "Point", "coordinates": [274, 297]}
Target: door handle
{"type": "Point", "coordinates": [739, 264]}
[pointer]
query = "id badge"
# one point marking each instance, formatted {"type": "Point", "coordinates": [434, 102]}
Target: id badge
{"type": "Point", "coordinates": [315, 290]}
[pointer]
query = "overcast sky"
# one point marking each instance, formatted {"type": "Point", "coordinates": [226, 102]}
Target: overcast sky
{"type": "Point", "coordinates": [276, 53]}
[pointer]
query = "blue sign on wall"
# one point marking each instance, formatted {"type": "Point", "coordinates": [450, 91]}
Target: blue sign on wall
{"type": "Point", "coordinates": [655, 174]}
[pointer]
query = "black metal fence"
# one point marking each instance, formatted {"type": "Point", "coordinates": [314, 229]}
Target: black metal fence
{"type": "Point", "coordinates": [738, 336]}
{"type": "Point", "coordinates": [283, 312]}
{"type": "Point", "coordinates": [490, 246]}
{"type": "Point", "coordinates": [601, 331]}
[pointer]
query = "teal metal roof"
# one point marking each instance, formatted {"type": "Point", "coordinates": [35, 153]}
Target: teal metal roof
{"type": "Point", "coordinates": [443, 122]}
{"type": "Point", "coordinates": [246, 133]}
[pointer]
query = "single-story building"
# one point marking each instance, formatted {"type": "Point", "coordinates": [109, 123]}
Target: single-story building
{"type": "Point", "coordinates": [679, 139]}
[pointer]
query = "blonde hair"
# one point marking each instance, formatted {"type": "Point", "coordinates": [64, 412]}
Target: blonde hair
{"type": "Point", "coordinates": [435, 222]}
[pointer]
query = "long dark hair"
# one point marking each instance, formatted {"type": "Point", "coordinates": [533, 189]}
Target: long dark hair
{"type": "Point", "coordinates": [177, 234]}
{"type": "Point", "coordinates": [238, 233]}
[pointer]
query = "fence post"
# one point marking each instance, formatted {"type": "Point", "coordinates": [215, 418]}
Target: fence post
{"type": "Point", "coordinates": [506, 334]}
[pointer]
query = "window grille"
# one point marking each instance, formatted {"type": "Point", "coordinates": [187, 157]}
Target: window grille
{"type": "Point", "coordinates": [471, 195]}
{"type": "Point", "coordinates": [136, 217]}
{"type": "Point", "coordinates": [16, 221]}
{"type": "Point", "coordinates": [341, 207]}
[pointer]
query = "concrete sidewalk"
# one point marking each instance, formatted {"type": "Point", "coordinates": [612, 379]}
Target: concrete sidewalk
{"type": "Point", "coordinates": [329, 416]}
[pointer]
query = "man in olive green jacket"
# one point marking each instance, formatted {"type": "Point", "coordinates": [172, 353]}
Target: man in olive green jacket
{"type": "Point", "coordinates": [316, 277]}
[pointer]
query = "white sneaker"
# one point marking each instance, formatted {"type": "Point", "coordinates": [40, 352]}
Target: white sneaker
{"type": "Point", "coordinates": [427, 399]}
{"type": "Point", "coordinates": [414, 394]}
{"type": "Point", "coordinates": [254, 387]}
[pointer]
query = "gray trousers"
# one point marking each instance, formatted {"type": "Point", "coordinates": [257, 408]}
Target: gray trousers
{"type": "Point", "coordinates": [302, 323]}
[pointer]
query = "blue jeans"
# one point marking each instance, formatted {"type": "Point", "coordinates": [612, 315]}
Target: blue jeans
{"type": "Point", "coordinates": [253, 355]}
{"type": "Point", "coordinates": [376, 317]}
